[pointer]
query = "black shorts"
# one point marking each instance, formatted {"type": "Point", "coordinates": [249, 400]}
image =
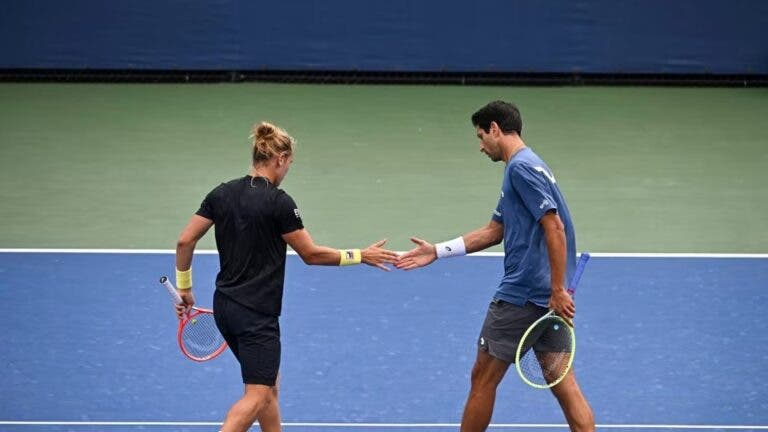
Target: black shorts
{"type": "Point", "coordinates": [253, 337]}
{"type": "Point", "coordinates": [504, 326]}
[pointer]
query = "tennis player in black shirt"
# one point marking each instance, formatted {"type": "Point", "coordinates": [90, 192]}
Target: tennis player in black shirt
{"type": "Point", "coordinates": [254, 221]}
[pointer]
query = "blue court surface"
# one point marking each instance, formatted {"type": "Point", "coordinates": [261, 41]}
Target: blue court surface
{"type": "Point", "coordinates": [88, 343]}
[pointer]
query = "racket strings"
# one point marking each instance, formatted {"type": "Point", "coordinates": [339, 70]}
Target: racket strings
{"type": "Point", "coordinates": [548, 351]}
{"type": "Point", "coordinates": [544, 370]}
{"type": "Point", "coordinates": [200, 336]}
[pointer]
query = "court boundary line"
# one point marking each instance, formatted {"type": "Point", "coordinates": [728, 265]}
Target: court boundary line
{"type": "Point", "coordinates": [476, 254]}
{"type": "Point", "coordinates": [379, 425]}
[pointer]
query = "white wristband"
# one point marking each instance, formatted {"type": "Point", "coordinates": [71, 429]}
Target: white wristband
{"type": "Point", "coordinates": [451, 248]}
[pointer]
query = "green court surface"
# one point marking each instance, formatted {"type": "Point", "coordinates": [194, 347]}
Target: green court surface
{"type": "Point", "coordinates": [125, 165]}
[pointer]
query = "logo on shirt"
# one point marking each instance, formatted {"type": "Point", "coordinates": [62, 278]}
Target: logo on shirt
{"type": "Point", "coordinates": [497, 213]}
{"type": "Point", "coordinates": [544, 203]}
{"type": "Point", "coordinates": [482, 341]}
{"type": "Point", "coordinates": [296, 212]}
{"type": "Point", "coordinates": [502, 193]}
{"type": "Point", "coordinates": [546, 173]}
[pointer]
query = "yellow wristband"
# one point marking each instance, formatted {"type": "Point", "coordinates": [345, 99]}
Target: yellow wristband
{"type": "Point", "coordinates": [184, 279]}
{"type": "Point", "coordinates": [350, 257]}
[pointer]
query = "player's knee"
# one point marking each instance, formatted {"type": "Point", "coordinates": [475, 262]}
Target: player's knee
{"type": "Point", "coordinates": [257, 398]}
{"type": "Point", "coordinates": [253, 406]}
{"type": "Point", "coordinates": [484, 377]}
{"type": "Point", "coordinates": [477, 373]}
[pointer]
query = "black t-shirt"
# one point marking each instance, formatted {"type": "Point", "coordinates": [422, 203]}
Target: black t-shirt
{"type": "Point", "coordinates": [250, 214]}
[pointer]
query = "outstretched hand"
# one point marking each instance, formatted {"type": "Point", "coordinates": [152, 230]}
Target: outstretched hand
{"type": "Point", "coordinates": [376, 256]}
{"type": "Point", "coordinates": [423, 254]}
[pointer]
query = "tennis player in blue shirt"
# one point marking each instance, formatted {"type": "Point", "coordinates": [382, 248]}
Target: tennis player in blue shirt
{"type": "Point", "coordinates": [539, 256]}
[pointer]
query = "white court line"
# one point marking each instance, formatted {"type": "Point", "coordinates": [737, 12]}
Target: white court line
{"type": "Point", "coordinates": [650, 255]}
{"type": "Point", "coordinates": [380, 425]}
{"type": "Point", "coordinates": [103, 251]}
{"type": "Point", "coordinates": [476, 254]}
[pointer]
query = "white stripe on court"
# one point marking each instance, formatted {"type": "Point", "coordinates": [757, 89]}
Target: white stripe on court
{"type": "Point", "coordinates": [476, 254]}
{"type": "Point", "coordinates": [381, 425]}
{"type": "Point", "coordinates": [102, 251]}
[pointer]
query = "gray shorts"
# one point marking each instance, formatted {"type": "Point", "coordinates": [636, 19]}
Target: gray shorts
{"type": "Point", "coordinates": [504, 326]}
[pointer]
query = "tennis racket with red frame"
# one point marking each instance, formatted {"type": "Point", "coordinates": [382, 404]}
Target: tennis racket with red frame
{"type": "Point", "coordinates": [198, 336]}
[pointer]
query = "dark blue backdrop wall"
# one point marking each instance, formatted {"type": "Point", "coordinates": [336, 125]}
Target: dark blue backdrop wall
{"type": "Point", "coordinates": [600, 36]}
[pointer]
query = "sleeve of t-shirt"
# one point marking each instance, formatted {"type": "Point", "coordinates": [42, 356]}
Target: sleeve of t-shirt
{"type": "Point", "coordinates": [287, 214]}
{"type": "Point", "coordinates": [208, 206]}
{"type": "Point", "coordinates": [534, 188]}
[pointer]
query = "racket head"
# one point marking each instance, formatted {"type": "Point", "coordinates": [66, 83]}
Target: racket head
{"type": "Point", "coordinates": [198, 336]}
{"type": "Point", "coordinates": [545, 353]}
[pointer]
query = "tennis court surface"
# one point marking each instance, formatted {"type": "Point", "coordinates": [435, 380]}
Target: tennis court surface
{"type": "Point", "coordinates": [663, 343]}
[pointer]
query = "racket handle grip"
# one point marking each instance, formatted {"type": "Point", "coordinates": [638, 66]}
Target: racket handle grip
{"type": "Point", "coordinates": [580, 266]}
{"type": "Point", "coordinates": [171, 290]}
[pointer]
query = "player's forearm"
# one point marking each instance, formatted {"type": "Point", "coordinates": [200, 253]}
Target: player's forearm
{"type": "Point", "coordinates": [184, 250]}
{"type": "Point", "coordinates": [483, 238]}
{"type": "Point", "coordinates": [320, 255]}
{"type": "Point", "coordinates": [313, 254]}
{"type": "Point", "coordinates": [185, 245]}
{"type": "Point", "coordinates": [556, 246]}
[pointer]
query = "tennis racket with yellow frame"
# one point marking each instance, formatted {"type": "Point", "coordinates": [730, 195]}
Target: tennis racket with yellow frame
{"type": "Point", "coordinates": [545, 353]}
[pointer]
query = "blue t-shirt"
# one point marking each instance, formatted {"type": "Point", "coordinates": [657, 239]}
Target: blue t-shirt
{"type": "Point", "coordinates": [528, 192]}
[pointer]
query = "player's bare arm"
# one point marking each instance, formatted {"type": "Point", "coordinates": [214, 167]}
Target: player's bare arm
{"type": "Point", "coordinates": [554, 234]}
{"type": "Point", "coordinates": [185, 247]}
{"type": "Point", "coordinates": [425, 253]}
{"type": "Point", "coordinates": [312, 254]}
